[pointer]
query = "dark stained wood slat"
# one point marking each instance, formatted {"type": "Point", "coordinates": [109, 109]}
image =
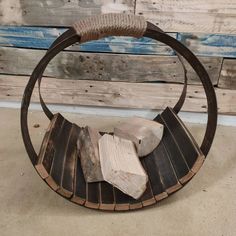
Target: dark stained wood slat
{"type": "Point", "coordinates": [156, 183]}
{"type": "Point", "coordinates": [122, 200]}
{"type": "Point", "coordinates": [46, 152]}
{"type": "Point", "coordinates": [79, 184]}
{"type": "Point", "coordinates": [147, 198]}
{"type": "Point", "coordinates": [107, 200]}
{"type": "Point", "coordinates": [66, 188]}
{"type": "Point", "coordinates": [165, 169]}
{"type": "Point", "coordinates": [60, 152]}
{"type": "Point", "coordinates": [92, 195]}
{"type": "Point", "coordinates": [47, 162]}
{"type": "Point", "coordinates": [175, 154]}
{"type": "Point", "coordinates": [184, 140]}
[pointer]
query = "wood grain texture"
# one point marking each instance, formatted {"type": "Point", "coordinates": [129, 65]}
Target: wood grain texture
{"type": "Point", "coordinates": [43, 37]}
{"type": "Point", "coordinates": [60, 13]}
{"type": "Point", "coordinates": [116, 94]}
{"type": "Point", "coordinates": [216, 45]}
{"type": "Point", "coordinates": [121, 166]}
{"type": "Point", "coordinates": [145, 134]}
{"type": "Point", "coordinates": [97, 66]}
{"type": "Point", "coordinates": [207, 16]}
{"type": "Point", "coordinates": [87, 145]}
{"type": "Point", "coordinates": [228, 74]}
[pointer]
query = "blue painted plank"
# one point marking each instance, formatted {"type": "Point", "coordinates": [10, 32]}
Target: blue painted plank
{"type": "Point", "coordinates": [218, 45]}
{"type": "Point", "coordinates": [42, 38]}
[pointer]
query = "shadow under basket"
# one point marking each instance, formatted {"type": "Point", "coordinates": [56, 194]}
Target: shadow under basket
{"type": "Point", "coordinates": [169, 167]}
{"type": "Point", "coordinates": [172, 164]}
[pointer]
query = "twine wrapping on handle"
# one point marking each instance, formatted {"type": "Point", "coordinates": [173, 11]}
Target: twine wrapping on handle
{"type": "Point", "coordinates": [97, 27]}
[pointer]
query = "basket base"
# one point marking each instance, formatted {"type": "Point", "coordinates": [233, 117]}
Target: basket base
{"type": "Point", "coordinates": [170, 166]}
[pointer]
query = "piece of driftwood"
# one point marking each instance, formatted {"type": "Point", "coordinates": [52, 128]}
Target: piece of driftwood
{"type": "Point", "coordinates": [145, 134]}
{"type": "Point", "coordinates": [116, 94]}
{"type": "Point", "coordinates": [89, 155]}
{"type": "Point", "coordinates": [121, 166]}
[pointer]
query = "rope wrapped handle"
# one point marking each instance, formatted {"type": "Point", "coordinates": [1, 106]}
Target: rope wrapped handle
{"type": "Point", "coordinates": [101, 26]}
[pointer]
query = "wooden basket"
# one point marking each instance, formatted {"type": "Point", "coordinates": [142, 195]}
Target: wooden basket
{"type": "Point", "coordinates": [169, 167]}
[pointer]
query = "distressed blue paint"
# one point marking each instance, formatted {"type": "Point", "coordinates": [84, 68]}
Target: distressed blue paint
{"type": "Point", "coordinates": [42, 38]}
{"type": "Point", "coordinates": [210, 44]}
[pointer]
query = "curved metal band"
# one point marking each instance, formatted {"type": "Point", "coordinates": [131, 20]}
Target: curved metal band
{"type": "Point", "coordinates": [70, 38]}
{"type": "Point", "coordinates": [70, 32]}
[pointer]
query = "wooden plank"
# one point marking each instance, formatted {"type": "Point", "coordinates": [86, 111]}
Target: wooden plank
{"type": "Point", "coordinates": [228, 75]}
{"type": "Point", "coordinates": [57, 168]}
{"type": "Point", "coordinates": [43, 37]}
{"type": "Point", "coordinates": [116, 94]}
{"type": "Point", "coordinates": [92, 195]}
{"type": "Point", "coordinates": [189, 148]}
{"type": "Point", "coordinates": [80, 187]}
{"type": "Point", "coordinates": [67, 183]}
{"type": "Point", "coordinates": [165, 169]}
{"type": "Point", "coordinates": [175, 155]}
{"type": "Point", "coordinates": [60, 13]}
{"type": "Point", "coordinates": [107, 200]}
{"type": "Point", "coordinates": [207, 16]}
{"type": "Point", "coordinates": [46, 153]}
{"type": "Point", "coordinates": [147, 198]}
{"type": "Point", "coordinates": [216, 45]}
{"type": "Point", "coordinates": [96, 66]}
{"type": "Point", "coordinates": [122, 200]}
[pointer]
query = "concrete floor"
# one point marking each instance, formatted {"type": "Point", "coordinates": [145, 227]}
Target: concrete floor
{"type": "Point", "coordinates": [206, 206]}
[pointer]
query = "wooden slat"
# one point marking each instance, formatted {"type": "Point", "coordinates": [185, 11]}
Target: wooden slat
{"type": "Point", "coordinates": [69, 163]}
{"type": "Point", "coordinates": [228, 75]}
{"type": "Point", "coordinates": [97, 66]}
{"type": "Point", "coordinates": [207, 16]}
{"type": "Point", "coordinates": [147, 198]}
{"type": "Point", "coordinates": [57, 168]}
{"type": "Point", "coordinates": [165, 169]}
{"type": "Point", "coordinates": [184, 136]}
{"type": "Point", "coordinates": [217, 45]}
{"type": "Point", "coordinates": [156, 183]}
{"type": "Point", "coordinates": [122, 200]}
{"type": "Point", "coordinates": [107, 200]}
{"type": "Point", "coordinates": [79, 195]}
{"type": "Point", "coordinates": [187, 145]}
{"type": "Point", "coordinates": [61, 13]}
{"type": "Point", "coordinates": [116, 94]}
{"type": "Point", "coordinates": [92, 195]}
{"type": "Point", "coordinates": [43, 37]}
{"type": "Point", "coordinates": [175, 155]}
{"type": "Point", "coordinates": [47, 150]}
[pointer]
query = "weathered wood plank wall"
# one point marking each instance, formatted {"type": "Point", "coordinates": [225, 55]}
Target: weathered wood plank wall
{"type": "Point", "coordinates": [103, 66]}
{"type": "Point", "coordinates": [116, 94]}
{"type": "Point", "coordinates": [207, 27]}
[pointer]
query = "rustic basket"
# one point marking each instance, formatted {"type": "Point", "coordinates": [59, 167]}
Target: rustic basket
{"type": "Point", "coordinates": [169, 167]}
